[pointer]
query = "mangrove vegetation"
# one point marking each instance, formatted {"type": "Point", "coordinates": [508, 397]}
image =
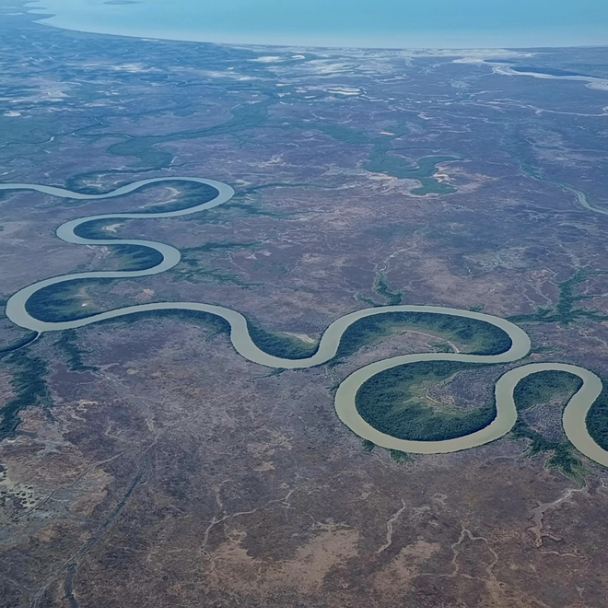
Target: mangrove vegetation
{"type": "Point", "coordinates": [395, 402]}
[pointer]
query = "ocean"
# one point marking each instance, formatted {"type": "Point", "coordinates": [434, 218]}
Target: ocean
{"type": "Point", "coordinates": [352, 23]}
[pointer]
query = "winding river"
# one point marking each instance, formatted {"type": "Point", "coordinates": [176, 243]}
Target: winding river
{"type": "Point", "coordinates": [574, 415]}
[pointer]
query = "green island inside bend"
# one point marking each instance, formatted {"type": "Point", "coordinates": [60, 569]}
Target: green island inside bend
{"type": "Point", "coordinates": [368, 400]}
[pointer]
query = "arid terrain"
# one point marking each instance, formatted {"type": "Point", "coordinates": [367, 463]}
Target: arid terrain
{"type": "Point", "coordinates": [144, 462]}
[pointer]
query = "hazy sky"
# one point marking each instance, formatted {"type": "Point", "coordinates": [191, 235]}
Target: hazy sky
{"type": "Point", "coordinates": [518, 22]}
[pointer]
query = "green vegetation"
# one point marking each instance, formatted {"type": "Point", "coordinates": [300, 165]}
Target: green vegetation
{"type": "Point", "coordinates": [381, 161]}
{"type": "Point", "coordinates": [441, 346]}
{"type": "Point", "coordinates": [565, 311]}
{"type": "Point", "coordinates": [68, 344]}
{"type": "Point", "coordinates": [561, 457]}
{"type": "Point", "coordinates": [381, 287]}
{"type": "Point", "coordinates": [541, 350]}
{"type": "Point", "coordinates": [396, 402]}
{"type": "Point", "coordinates": [281, 345]}
{"type": "Point", "coordinates": [339, 132]}
{"type": "Point", "coordinates": [211, 275]}
{"type": "Point", "coordinates": [64, 301]}
{"type": "Point", "coordinates": [252, 189]}
{"type": "Point", "coordinates": [400, 457]}
{"type": "Point", "coordinates": [244, 117]}
{"type": "Point", "coordinates": [21, 342]}
{"type": "Point", "coordinates": [88, 183]}
{"type": "Point", "coordinates": [97, 229]}
{"type": "Point", "coordinates": [187, 253]}
{"type": "Point", "coordinates": [368, 446]}
{"type": "Point", "coordinates": [208, 320]}
{"type": "Point", "coordinates": [133, 257]}
{"type": "Point", "coordinates": [247, 202]}
{"type": "Point", "coordinates": [597, 418]}
{"type": "Point", "coordinates": [432, 186]}
{"type": "Point", "coordinates": [238, 207]}
{"type": "Point", "coordinates": [273, 343]}
{"type": "Point", "coordinates": [257, 210]}
{"type": "Point", "coordinates": [369, 301]}
{"type": "Point", "coordinates": [545, 386]}
{"type": "Point", "coordinates": [29, 387]}
{"type": "Point", "coordinates": [277, 371]}
{"type": "Point", "coordinates": [189, 194]}
{"type": "Point", "coordinates": [582, 198]}
{"type": "Point", "coordinates": [381, 157]}
{"type": "Point", "coordinates": [190, 267]}
{"type": "Point", "coordinates": [137, 257]}
{"type": "Point", "coordinates": [480, 338]}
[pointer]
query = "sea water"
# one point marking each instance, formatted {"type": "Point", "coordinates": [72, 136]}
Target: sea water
{"type": "Point", "coordinates": [355, 23]}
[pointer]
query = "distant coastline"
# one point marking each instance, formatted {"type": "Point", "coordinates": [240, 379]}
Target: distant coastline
{"type": "Point", "coordinates": [147, 19]}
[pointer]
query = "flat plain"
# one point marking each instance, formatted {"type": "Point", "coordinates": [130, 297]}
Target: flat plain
{"type": "Point", "coordinates": [143, 460]}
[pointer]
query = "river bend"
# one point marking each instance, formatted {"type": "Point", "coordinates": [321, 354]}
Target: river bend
{"type": "Point", "coordinates": [574, 415]}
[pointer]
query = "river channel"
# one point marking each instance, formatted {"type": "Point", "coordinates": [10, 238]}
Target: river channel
{"type": "Point", "coordinates": [574, 415]}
